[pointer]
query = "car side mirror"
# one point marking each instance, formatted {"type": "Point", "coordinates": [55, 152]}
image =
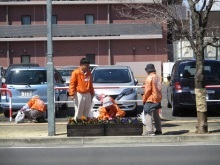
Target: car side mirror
{"type": "Point", "coordinates": [135, 81]}
{"type": "Point", "coordinates": [64, 80]}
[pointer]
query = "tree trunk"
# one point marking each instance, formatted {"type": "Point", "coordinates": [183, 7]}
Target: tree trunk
{"type": "Point", "coordinates": [202, 124]}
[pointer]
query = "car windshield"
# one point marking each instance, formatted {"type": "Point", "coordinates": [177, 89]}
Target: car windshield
{"type": "Point", "coordinates": [65, 72]}
{"type": "Point", "coordinates": [111, 76]}
{"type": "Point", "coordinates": [27, 77]}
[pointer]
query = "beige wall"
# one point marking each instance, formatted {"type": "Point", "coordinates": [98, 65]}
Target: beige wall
{"type": "Point", "coordinates": [138, 69]}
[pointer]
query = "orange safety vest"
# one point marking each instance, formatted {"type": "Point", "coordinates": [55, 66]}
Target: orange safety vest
{"type": "Point", "coordinates": [37, 104]}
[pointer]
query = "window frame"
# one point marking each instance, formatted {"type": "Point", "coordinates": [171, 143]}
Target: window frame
{"type": "Point", "coordinates": [86, 22]}
{"type": "Point", "coordinates": [22, 19]}
{"type": "Point", "coordinates": [28, 57]}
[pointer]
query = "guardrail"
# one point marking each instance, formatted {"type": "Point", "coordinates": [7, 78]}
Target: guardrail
{"type": "Point", "coordinates": [10, 103]}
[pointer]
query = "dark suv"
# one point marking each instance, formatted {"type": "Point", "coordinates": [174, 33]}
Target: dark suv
{"type": "Point", "coordinates": [180, 91]}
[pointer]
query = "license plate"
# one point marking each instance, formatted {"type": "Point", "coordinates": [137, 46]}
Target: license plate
{"type": "Point", "coordinates": [26, 93]}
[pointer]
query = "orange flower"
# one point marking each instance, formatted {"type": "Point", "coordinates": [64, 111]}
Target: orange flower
{"type": "Point", "coordinates": [83, 118]}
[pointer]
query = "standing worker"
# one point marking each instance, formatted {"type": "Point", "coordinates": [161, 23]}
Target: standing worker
{"type": "Point", "coordinates": [152, 101]}
{"type": "Point", "coordinates": [81, 89]}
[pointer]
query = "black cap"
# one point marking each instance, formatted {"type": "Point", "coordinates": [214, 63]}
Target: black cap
{"type": "Point", "coordinates": [150, 68]}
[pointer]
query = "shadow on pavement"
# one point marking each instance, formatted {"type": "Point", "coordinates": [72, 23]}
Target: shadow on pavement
{"type": "Point", "coordinates": [176, 132]}
{"type": "Point", "coordinates": [215, 131]}
{"type": "Point", "coordinates": [169, 125]}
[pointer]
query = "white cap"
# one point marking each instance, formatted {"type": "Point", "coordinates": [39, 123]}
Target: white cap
{"type": "Point", "coordinates": [107, 101]}
{"type": "Point", "coordinates": [36, 96]}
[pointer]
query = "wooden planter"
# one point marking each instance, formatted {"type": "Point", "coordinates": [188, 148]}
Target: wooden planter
{"type": "Point", "coordinates": [85, 130]}
{"type": "Point", "coordinates": [123, 129]}
{"type": "Point", "coordinates": [105, 130]}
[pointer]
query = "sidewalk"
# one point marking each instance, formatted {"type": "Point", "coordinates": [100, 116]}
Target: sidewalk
{"type": "Point", "coordinates": [37, 134]}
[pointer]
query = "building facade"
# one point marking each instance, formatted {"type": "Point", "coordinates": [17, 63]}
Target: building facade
{"type": "Point", "coordinates": [89, 28]}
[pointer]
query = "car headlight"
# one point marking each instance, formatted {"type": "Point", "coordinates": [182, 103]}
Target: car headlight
{"type": "Point", "coordinates": [125, 92]}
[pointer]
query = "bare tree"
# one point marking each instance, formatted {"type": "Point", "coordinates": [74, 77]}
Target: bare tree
{"type": "Point", "coordinates": [194, 29]}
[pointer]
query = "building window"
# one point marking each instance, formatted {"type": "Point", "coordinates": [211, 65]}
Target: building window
{"type": "Point", "coordinates": [89, 19]}
{"type": "Point", "coordinates": [54, 19]}
{"type": "Point", "coordinates": [25, 20]}
{"type": "Point", "coordinates": [91, 58]}
{"type": "Point", "coordinates": [25, 59]}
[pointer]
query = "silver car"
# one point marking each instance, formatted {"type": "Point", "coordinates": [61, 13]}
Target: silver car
{"type": "Point", "coordinates": [66, 72]}
{"type": "Point", "coordinates": [25, 82]}
{"type": "Point", "coordinates": [109, 80]}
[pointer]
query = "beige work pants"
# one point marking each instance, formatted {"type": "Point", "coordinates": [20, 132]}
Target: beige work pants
{"type": "Point", "coordinates": [153, 115]}
{"type": "Point", "coordinates": [83, 104]}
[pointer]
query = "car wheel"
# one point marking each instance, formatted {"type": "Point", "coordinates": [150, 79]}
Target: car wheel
{"type": "Point", "coordinates": [175, 110]}
{"type": "Point", "coordinates": [6, 113]}
{"type": "Point", "coordinates": [169, 105]}
{"type": "Point", "coordinates": [132, 113]}
{"type": "Point", "coordinates": [56, 110]}
{"type": "Point", "coordinates": [64, 106]}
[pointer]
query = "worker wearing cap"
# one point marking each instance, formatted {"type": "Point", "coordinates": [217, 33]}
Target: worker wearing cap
{"type": "Point", "coordinates": [35, 109]}
{"type": "Point", "coordinates": [110, 110]}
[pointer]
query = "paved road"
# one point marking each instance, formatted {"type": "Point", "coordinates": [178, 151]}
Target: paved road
{"type": "Point", "coordinates": [109, 155]}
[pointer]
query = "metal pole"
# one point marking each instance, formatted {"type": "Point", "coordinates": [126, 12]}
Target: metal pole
{"type": "Point", "coordinates": [50, 73]}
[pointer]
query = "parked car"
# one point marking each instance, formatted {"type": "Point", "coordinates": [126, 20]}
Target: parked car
{"type": "Point", "coordinates": [91, 66]}
{"type": "Point", "coordinates": [115, 76]}
{"type": "Point", "coordinates": [180, 91]}
{"type": "Point", "coordinates": [66, 72]}
{"type": "Point", "coordinates": [25, 82]}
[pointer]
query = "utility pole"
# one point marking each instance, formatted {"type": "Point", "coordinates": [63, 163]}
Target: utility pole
{"type": "Point", "coordinates": [50, 73]}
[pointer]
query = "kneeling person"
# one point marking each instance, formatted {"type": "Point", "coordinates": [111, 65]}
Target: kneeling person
{"type": "Point", "coordinates": [35, 109]}
{"type": "Point", "coordinates": [110, 109]}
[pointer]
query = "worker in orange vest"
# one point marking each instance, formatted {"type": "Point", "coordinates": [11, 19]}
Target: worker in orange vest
{"type": "Point", "coordinates": [110, 109]}
{"type": "Point", "coordinates": [35, 109]}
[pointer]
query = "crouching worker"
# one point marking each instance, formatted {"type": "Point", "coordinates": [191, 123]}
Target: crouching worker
{"type": "Point", "coordinates": [110, 109]}
{"type": "Point", "coordinates": [35, 110]}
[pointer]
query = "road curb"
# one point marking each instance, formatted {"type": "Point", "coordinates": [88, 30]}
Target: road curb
{"type": "Point", "coordinates": [111, 140]}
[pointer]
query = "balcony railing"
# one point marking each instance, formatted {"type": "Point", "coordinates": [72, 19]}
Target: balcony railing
{"type": "Point", "coordinates": [84, 30]}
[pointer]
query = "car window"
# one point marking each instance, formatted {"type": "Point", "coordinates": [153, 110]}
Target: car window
{"type": "Point", "coordinates": [27, 77]}
{"type": "Point", "coordinates": [211, 70]}
{"type": "Point", "coordinates": [58, 78]}
{"type": "Point", "coordinates": [173, 73]}
{"type": "Point", "coordinates": [111, 76]}
{"type": "Point", "coordinates": [65, 72]}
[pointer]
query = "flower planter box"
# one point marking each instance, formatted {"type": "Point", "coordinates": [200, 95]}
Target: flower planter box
{"type": "Point", "coordinates": [123, 129]}
{"type": "Point", "coordinates": [85, 130]}
{"type": "Point", "coordinates": [105, 130]}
